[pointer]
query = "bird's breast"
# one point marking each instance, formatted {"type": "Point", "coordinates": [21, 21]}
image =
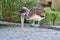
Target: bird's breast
{"type": "Point", "coordinates": [36, 17]}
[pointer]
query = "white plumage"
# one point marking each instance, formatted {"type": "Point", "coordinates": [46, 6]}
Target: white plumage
{"type": "Point", "coordinates": [36, 18]}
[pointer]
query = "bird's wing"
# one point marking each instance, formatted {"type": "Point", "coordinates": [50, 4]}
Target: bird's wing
{"type": "Point", "coordinates": [32, 12]}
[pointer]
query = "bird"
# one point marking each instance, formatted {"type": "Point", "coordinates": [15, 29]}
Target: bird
{"type": "Point", "coordinates": [23, 13]}
{"type": "Point", "coordinates": [35, 14]}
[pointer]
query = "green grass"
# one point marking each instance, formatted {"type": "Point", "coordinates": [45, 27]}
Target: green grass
{"type": "Point", "coordinates": [51, 16]}
{"type": "Point", "coordinates": [0, 13]}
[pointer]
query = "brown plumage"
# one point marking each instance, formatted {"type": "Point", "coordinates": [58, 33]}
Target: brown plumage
{"type": "Point", "coordinates": [37, 11]}
{"type": "Point", "coordinates": [23, 11]}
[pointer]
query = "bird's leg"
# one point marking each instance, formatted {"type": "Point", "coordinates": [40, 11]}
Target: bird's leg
{"type": "Point", "coordinates": [38, 23]}
{"type": "Point", "coordinates": [33, 23]}
{"type": "Point", "coordinates": [22, 22]}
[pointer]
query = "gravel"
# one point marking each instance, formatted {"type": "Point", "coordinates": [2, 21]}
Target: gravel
{"type": "Point", "coordinates": [15, 33]}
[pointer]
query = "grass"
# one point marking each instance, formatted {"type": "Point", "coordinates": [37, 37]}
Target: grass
{"type": "Point", "coordinates": [0, 11]}
{"type": "Point", "coordinates": [51, 15]}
